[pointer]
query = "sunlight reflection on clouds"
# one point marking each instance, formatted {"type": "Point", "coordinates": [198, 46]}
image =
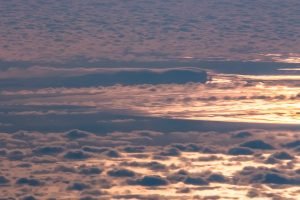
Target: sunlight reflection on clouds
{"type": "Point", "coordinates": [227, 97]}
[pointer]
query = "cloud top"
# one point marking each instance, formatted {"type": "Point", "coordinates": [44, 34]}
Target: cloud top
{"type": "Point", "coordinates": [36, 77]}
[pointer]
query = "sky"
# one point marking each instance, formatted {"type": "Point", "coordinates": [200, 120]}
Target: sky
{"type": "Point", "coordinates": [147, 99]}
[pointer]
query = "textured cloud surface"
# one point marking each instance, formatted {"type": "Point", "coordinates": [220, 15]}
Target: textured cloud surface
{"type": "Point", "coordinates": [143, 30]}
{"type": "Point", "coordinates": [160, 99]}
{"type": "Point", "coordinates": [145, 165]}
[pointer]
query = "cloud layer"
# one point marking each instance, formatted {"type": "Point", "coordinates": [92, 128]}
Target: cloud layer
{"type": "Point", "coordinates": [176, 165]}
{"type": "Point", "coordinates": [148, 31]}
{"type": "Point", "coordinates": [36, 77]}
